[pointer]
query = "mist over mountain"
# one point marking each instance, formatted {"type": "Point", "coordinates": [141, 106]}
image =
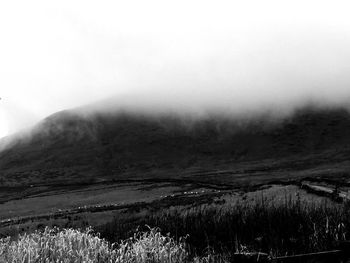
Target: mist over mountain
{"type": "Point", "coordinates": [119, 144]}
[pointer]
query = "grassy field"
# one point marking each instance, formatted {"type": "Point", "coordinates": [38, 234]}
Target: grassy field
{"type": "Point", "coordinates": [272, 221]}
{"type": "Point", "coordinates": [31, 198]}
{"type": "Point", "coordinates": [249, 207]}
{"type": "Point", "coordinates": [210, 232]}
{"type": "Point", "coordinates": [53, 200]}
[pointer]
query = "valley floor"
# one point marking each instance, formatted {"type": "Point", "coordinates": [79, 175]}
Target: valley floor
{"type": "Point", "coordinates": [245, 206]}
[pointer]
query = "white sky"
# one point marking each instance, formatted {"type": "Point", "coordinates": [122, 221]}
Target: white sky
{"type": "Point", "coordinates": [61, 54]}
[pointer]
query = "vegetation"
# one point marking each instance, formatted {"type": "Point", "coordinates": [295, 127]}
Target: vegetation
{"type": "Point", "coordinates": [290, 227]}
{"type": "Point", "coordinates": [198, 233]}
{"type": "Point", "coordinates": [69, 245]}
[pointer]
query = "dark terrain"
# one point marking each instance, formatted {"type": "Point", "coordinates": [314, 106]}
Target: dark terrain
{"type": "Point", "coordinates": [240, 180]}
{"type": "Point", "coordinates": [68, 148]}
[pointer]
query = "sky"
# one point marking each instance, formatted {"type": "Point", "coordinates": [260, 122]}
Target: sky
{"type": "Point", "coordinates": [233, 55]}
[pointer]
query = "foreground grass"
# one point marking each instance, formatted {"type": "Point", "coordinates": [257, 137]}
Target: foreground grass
{"type": "Point", "coordinates": [69, 245]}
{"type": "Point", "coordinates": [291, 227]}
{"type": "Point", "coordinates": [214, 232]}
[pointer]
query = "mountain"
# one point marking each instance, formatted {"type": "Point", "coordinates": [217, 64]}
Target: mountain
{"type": "Point", "coordinates": [78, 148]}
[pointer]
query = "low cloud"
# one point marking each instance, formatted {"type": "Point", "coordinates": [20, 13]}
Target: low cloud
{"type": "Point", "coordinates": [232, 58]}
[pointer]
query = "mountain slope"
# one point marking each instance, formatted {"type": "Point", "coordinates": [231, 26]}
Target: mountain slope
{"type": "Point", "coordinates": [100, 146]}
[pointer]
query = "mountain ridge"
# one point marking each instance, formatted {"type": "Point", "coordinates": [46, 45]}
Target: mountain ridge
{"type": "Point", "coordinates": [68, 145]}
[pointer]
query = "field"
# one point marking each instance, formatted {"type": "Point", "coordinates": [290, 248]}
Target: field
{"type": "Point", "coordinates": [193, 227]}
{"type": "Point", "coordinates": [250, 206]}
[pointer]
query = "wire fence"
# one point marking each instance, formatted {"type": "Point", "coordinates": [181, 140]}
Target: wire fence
{"type": "Point", "coordinates": [339, 255]}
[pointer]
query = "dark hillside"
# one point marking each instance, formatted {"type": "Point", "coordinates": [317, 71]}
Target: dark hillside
{"type": "Point", "coordinates": [100, 146]}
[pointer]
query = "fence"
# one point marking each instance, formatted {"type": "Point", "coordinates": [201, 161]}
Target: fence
{"type": "Point", "coordinates": [340, 255]}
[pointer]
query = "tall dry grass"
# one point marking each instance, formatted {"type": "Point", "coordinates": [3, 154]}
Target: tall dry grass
{"type": "Point", "coordinates": [215, 231]}
{"type": "Point", "coordinates": [291, 227]}
{"type": "Point", "coordinates": [70, 245]}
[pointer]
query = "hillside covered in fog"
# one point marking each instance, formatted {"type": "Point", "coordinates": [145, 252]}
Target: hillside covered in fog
{"type": "Point", "coordinates": [121, 145]}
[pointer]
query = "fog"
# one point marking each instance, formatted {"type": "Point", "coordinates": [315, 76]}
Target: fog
{"type": "Point", "coordinates": [235, 57]}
